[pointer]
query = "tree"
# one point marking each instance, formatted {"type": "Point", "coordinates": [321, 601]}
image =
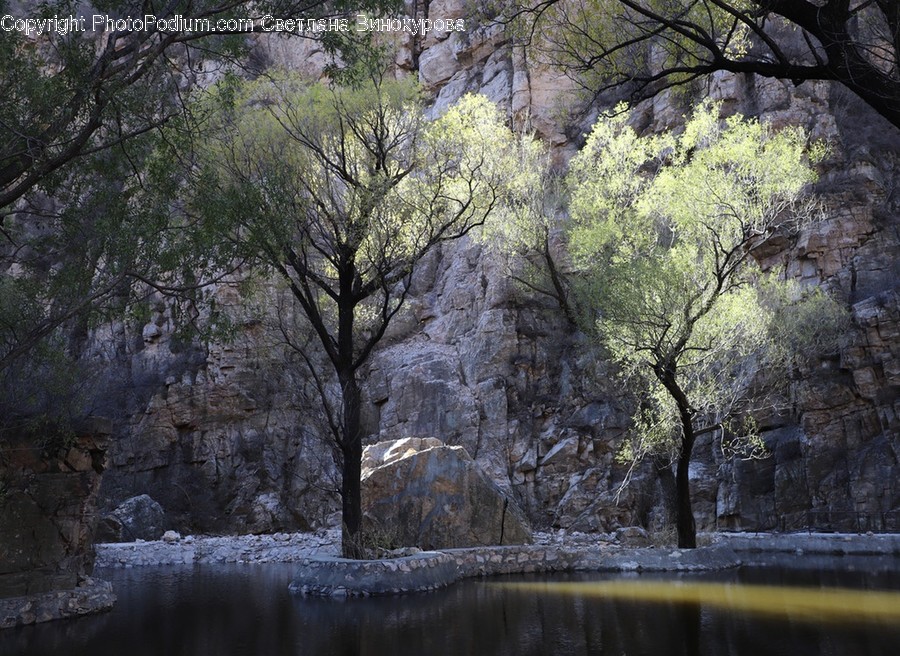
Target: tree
{"type": "Point", "coordinates": [84, 197]}
{"type": "Point", "coordinates": [67, 94]}
{"type": "Point", "coordinates": [527, 226]}
{"type": "Point", "coordinates": [88, 254]}
{"type": "Point", "coordinates": [664, 230]}
{"type": "Point", "coordinates": [341, 192]}
{"type": "Point", "coordinates": [650, 45]}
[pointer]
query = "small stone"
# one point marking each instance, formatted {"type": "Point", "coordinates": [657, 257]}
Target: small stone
{"type": "Point", "coordinates": [171, 536]}
{"type": "Point", "coordinates": [633, 536]}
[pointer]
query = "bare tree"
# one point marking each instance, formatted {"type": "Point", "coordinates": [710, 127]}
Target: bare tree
{"type": "Point", "coordinates": [646, 46]}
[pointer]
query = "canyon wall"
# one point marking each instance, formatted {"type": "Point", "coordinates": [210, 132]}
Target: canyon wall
{"type": "Point", "coordinates": [228, 438]}
{"type": "Point", "coordinates": [48, 504]}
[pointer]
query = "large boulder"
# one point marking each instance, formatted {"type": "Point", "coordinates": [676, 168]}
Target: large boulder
{"type": "Point", "coordinates": [419, 492]}
{"type": "Point", "coordinates": [138, 518]}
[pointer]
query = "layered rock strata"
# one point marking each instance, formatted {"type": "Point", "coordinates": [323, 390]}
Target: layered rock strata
{"type": "Point", "coordinates": [48, 504]}
{"type": "Point", "coordinates": [226, 441]}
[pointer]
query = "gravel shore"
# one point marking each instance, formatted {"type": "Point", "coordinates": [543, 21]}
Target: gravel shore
{"type": "Point", "coordinates": [273, 548]}
{"type": "Point", "coordinates": [295, 547]}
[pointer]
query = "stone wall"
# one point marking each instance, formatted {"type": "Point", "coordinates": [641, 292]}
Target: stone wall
{"type": "Point", "coordinates": [90, 596]}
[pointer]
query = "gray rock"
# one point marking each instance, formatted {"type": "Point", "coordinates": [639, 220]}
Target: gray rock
{"type": "Point", "coordinates": [140, 518]}
{"type": "Point", "coordinates": [422, 493]}
{"type": "Point", "coordinates": [48, 505]}
{"type": "Point", "coordinates": [109, 529]}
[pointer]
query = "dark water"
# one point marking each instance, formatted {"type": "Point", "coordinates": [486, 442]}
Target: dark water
{"type": "Point", "coordinates": [246, 610]}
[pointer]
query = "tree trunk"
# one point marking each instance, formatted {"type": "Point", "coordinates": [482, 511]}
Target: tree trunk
{"type": "Point", "coordinates": [684, 514]}
{"type": "Point", "coordinates": [351, 449]}
{"type": "Point", "coordinates": [351, 436]}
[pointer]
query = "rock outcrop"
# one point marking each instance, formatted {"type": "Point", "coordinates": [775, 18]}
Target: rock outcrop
{"type": "Point", "coordinates": [422, 493]}
{"type": "Point", "coordinates": [48, 501]}
{"type": "Point", "coordinates": [138, 518]}
{"type": "Point", "coordinates": [224, 437]}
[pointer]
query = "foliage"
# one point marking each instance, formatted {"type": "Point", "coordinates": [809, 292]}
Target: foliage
{"type": "Point", "coordinates": [646, 46]}
{"type": "Point", "coordinates": [663, 234]}
{"type": "Point", "coordinates": [88, 191]}
{"type": "Point", "coordinates": [527, 224]}
{"type": "Point", "coordinates": [74, 93]}
{"type": "Point", "coordinates": [101, 237]}
{"type": "Point", "coordinates": [668, 225]}
{"type": "Point", "coordinates": [319, 179]}
{"type": "Point", "coordinates": [41, 399]}
{"type": "Point", "coordinates": [808, 323]}
{"type": "Point", "coordinates": [340, 191]}
{"type": "Point", "coordinates": [87, 186]}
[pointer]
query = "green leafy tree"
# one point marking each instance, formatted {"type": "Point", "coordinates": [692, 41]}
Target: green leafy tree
{"type": "Point", "coordinates": [528, 226]}
{"type": "Point", "coordinates": [90, 253]}
{"type": "Point", "coordinates": [646, 46]}
{"type": "Point", "coordinates": [341, 192]}
{"type": "Point", "coordinates": [68, 94]}
{"type": "Point", "coordinates": [86, 191]}
{"type": "Point", "coordinates": [663, 233]}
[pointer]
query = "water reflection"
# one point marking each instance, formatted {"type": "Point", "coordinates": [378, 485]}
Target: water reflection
{"type": "Point", "coordinates": [809, 604]}
{"type": "Point", "coordinates": [246, 610]}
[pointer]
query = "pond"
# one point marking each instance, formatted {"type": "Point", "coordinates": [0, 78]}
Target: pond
{"type": "Point", "coordinates": [231, 610]}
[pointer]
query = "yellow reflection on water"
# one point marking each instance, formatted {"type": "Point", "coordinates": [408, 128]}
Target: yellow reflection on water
{"type": "Point", "coordinates": [811, 604]}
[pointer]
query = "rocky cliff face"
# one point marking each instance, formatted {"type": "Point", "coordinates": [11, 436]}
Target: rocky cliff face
{"type": "Point", "coordinates": [48, 502]}
{"type": "Point", "coordinates": [834, 462]}
{"type": "Point", "coordinates": [223, 436]}
{"type": "Point", "coordinates": [226, 441]}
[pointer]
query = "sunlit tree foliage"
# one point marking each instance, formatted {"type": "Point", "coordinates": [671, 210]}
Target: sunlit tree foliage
{"type": "Point", "coordinates": [665, 228]}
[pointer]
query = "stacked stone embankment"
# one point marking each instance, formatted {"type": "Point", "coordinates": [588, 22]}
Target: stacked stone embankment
{"type": "Point", "coordinates": [321, 572]}
{"type": "Point", "coordinates": [88, 597]}
{"type": "Point", "coordinates": [430, 570]}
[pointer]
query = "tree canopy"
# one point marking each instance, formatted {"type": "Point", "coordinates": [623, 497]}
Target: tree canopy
{"type": "Point", "coordinates": [72, 92]}
{"type": "Point", "coordinates": [86, 185]}
{"type": "Point", "coordinates": [650, 45]}
{"type": "Point", "coordinates": [663, 230]}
